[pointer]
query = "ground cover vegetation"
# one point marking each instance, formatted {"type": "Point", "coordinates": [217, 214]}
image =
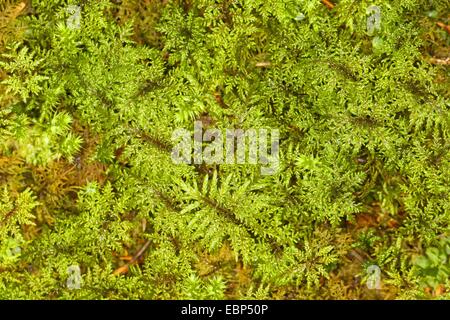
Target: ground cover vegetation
{"type": "Point", "coordinates": [92, 206]}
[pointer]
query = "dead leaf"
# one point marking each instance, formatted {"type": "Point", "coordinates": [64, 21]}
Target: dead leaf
{"type": "Point", "coordinates": [444, 26]}
{"type": "Point", "coordinates": [440, 289]}
{"type": "Point", "coordinates": [121, 270]}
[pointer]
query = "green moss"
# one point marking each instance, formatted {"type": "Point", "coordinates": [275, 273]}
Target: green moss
{"type": "Point", "coordinates": [364, 169]}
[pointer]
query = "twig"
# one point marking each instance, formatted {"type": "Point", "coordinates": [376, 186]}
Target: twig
{"type": "Point", "coordinates": [124, 269]}
{"type": "Point", "coordinates": [263, 64]}
{"type": "Point", "coordinates": [140, 252]}
{"type": "Point", "coordinates": [330, 5]}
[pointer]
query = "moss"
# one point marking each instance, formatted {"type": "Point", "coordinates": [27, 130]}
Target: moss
{"type": "Point", "coordinates": [94, 207]}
